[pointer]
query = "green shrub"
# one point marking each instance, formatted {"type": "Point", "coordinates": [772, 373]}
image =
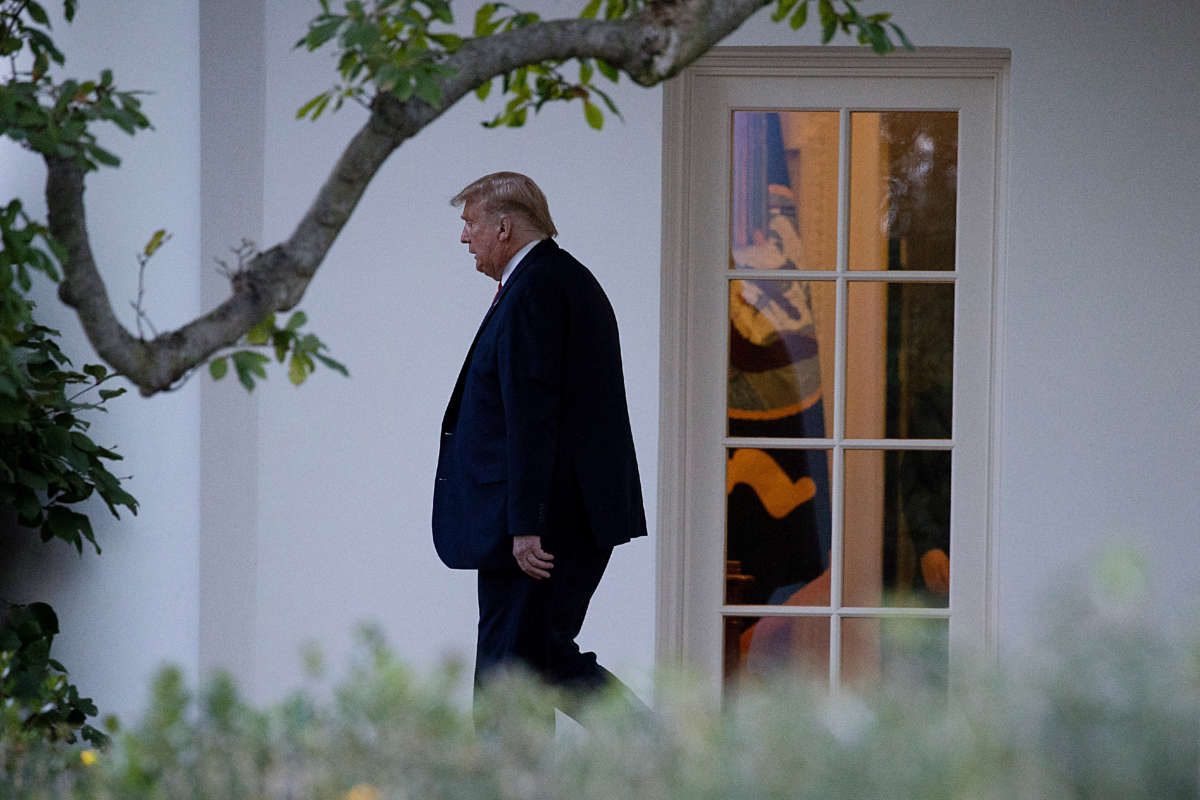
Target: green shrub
{"type": "Point", "coordinates": [1107, 711]}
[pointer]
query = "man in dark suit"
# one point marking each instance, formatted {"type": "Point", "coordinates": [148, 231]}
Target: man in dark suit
{"type": "Point", "coordinates": [537, 479]}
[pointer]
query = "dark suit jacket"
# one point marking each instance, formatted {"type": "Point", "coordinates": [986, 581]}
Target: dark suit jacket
{"type": "Point", "coordinates": [536, 438]}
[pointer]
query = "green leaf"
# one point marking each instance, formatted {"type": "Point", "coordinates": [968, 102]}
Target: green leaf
{"type": "Point", "coordinates": [829, 20]}
{"type": "Point", "coordinates": [452, 42]}
{"type": "Point", "coordinates": [56, 441]}
{"type": "Point", "coordinates": [483, 90]}
{"type": "Point", "coordinates": [593, 7]}
{"type": "Point", "coordinates": [612, 107]}
{"type": "Point", "coordinates": [103, 156]}
{"type": "Point", "coordinates": [428, 90]}
{"type": "Point", "coordinates": [98, 371]}
{"type": "Point", "coordinates": [260, 334]}
{"type": "Point", "coordinates": [309, 344]}
{"type": "Point", "coordinates": [45, 617]}
{"type": "Point", "coordinates": [336, 366]}
{"type": "Point", "coordinates": [440, 10]}
{"type": "Point", "coordinates": [483, 24]}
{"type": "Point", "coordinates": [878, 39]}
{"type": "Point", "coordinates": [156, 241]}
{"type": "Point", "coordinates": [782, 10]}
{"type": "Point", "coordinates": [109, 394]}
{"type": "Point", "coordinates": [314, 106]}
{"type": "Point", "coordinates": [360, 34]}
{"type": "Point", "coordinates": [299, 366]}
{"type": "Point", "coordinates": [320, 33]}
{"type": "Point", "coordinates": [282, 340]}
{"type": "Point", "coordinates": [82, 442]}
{"type": "Point", "coordinates": [66, 524]}
{"type": "Point", "coordinates": [65, 94]}
{"type": "Point", "coordinates": [594, 116]}
{"type": "Point", "coordinates": [218, 367]}
{"type": "Point", "coordinates": [608, 70]}
{"type": "Point", "coordinates": [37, 12]}
{"type": "Point", "coordinates": [901, 36]}
{"type": "Point", "coordinates": [248, 365]}
{"type": "Point", "coordinates": [404, 89]}
{"type": "Point", "coordinates": [800, 17]}
{"type": "Point", "coordinates": [296, 320]}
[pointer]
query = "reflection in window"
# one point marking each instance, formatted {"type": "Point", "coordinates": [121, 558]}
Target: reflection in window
{"type": "Point", "coordinates": [775, 369]}
{"type": "Point", "coordinates": [897, 553]}
{"type": "Point", "coordinates": [900, 360]}
{"type": "Point", "coordinates": [778, 531]}
{"type": "Point", "coordinates": [904, 189]}
{"type": "Point", "coordinates": [784, 204]}
{"type": "Point", "coordinates": [759, 646]}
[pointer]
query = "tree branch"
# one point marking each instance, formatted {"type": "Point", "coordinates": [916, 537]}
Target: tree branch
{"type": "Point", "coordinates": [665, 38]}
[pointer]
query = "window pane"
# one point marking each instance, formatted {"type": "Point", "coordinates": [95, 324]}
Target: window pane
{"type": "Point", "coordinates": [785, 179]}
{"type": "Point", "coordinates": [903, 189]}
{"type": "Point", "coordinates": [758, 646]}
{"type": "Point", "coordinates": [897, 528]}
{"type": "Point", "coordinates": [899, 360]}
{"type": "Point", "coordinates": [780, 357]}
{"type": "Point", "coordinates": [778, 527]}
{"type": "Point", "coordinates": [895, 654]}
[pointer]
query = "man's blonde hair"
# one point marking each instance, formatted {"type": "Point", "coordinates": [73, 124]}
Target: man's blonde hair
{"type": "Point", "coordinates": [510, 193]}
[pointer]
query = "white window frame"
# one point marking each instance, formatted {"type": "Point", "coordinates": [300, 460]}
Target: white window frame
{"type": "Point", "coordinates": [677, 558]}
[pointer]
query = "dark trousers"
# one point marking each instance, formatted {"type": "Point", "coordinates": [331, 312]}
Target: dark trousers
{"type": "Point", "coordinates": [533, 623]}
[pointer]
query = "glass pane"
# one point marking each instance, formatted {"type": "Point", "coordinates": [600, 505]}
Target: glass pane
{"type": "Point", "coordinates": [895, 654]}
{"type": "Point", "coordinates": [897, 528]}
{"type": "Point", "coordinates": [899, 360]}
{"type": "Point", "coordinates": [785, 179]}
{"type": "Point", "coordinates": [758, 646]}
{"type": "Point", "coordinates": [903, 189]}
{"type": "Point", "coordinates": [780, 357]}
{"type": "Point", "coordinates": [778, 527]}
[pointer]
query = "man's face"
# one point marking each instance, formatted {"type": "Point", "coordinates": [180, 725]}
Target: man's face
{"type": "Point", "coordinates": [482, 235]}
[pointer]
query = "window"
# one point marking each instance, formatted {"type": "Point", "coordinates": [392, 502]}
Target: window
{"type": "Point", "coordinates": [827, 328]}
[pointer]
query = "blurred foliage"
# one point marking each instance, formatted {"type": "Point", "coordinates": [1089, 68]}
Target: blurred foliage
{"type": "Point", "coordinates": [1105, 709]}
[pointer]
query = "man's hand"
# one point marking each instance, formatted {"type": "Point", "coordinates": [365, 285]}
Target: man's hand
{"type": "Point", "coordinates": [531, 558]}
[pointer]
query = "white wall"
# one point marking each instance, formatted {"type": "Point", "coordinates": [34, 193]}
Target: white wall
{"type": "Point", "coordinates": [1098, 422]}
{"type": "Point", "coordinates": [135, 606]}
